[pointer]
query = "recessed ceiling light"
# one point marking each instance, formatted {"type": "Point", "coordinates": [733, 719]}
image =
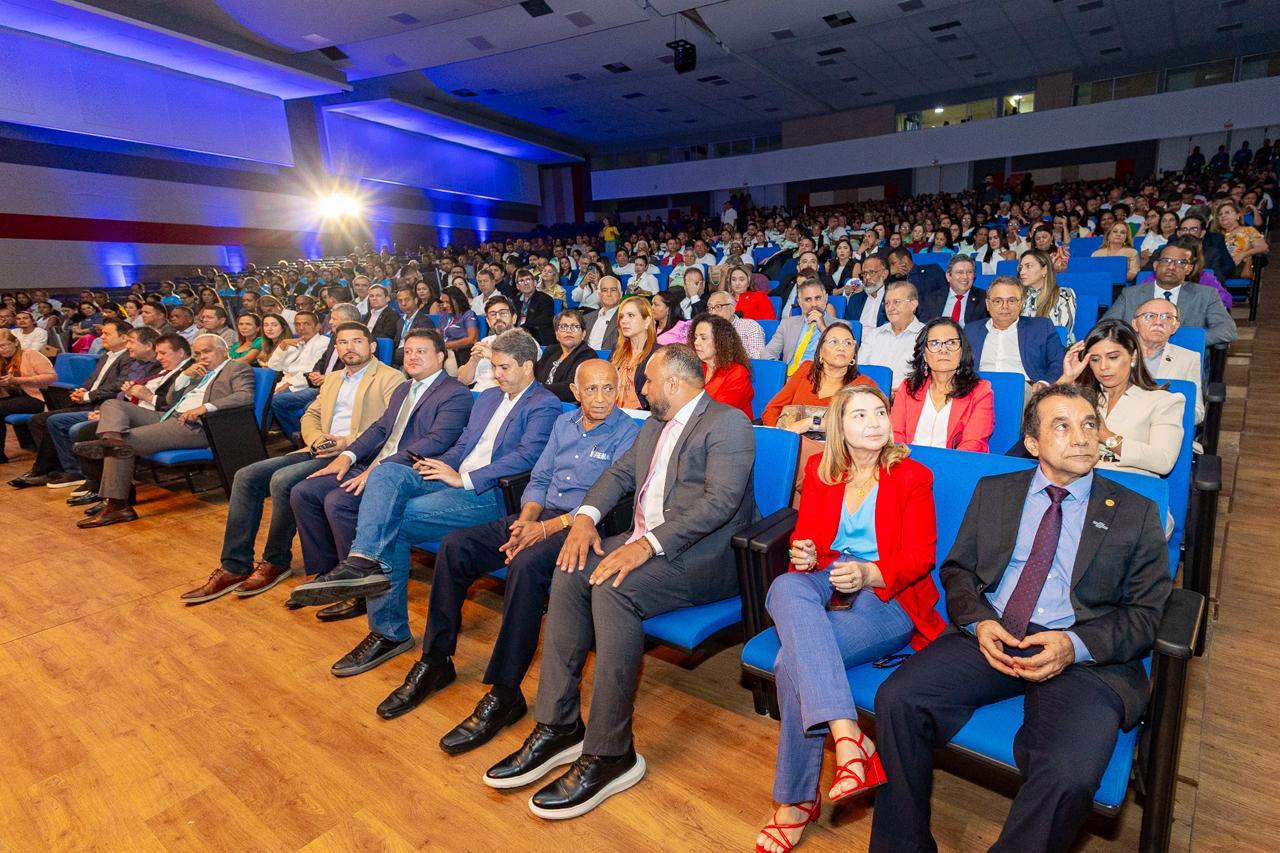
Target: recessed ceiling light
{"type": "Point", "coordinates": [1110, 50]}
{"type": "Point", "coordinates": [838, 19]}
{"type": "Point", "coordinates": [617, 67]}
{"type": "Point", "coordinates": [632, 96]}
{"type": "Point", "coordinates": [404, 18]}
{"type": "Point", "coordinates": [749, 97]}
{"type": "Point", "coordinates": [831, 51]}
{"type": "Point", "coordinates": [911, 5]}
{"type": "Point", "coordinates": [949, 25]}
{"type": "Point", "coordinates": [850, 79]}
{"type": "Point", "coordinates": [781, 35]}
{"type": "Point", "coordinates": [536, 8]}
{"type": "Point", "coordinates": [1097, 31]}
{"type": "Point", "coordinates": [480, 43]}
{"type": "Point", "coordinates": [580, 20]}
{"type": "Point", "coordinates": [772, 109]}
{"type": "Point", "coordinates": [576, 77]}
{"type": "Point", "coordinates": [948, 37]}
{"type": "Point", "coordinates": [1089, 7]}
{"type": "Point", "coordinates": [464, 93]}
{"type": "Point", "coordinates": [968, 57]}
{"type": "Point", "coordinates": [394, 61]}
{"type": "Point", "coordinates": [826, 62]}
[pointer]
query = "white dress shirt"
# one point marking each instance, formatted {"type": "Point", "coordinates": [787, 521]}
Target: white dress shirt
{"type": "Point", "coordinates": [112, 358]}
{"type": "Point", "coordinates": [190, 400]}
{"type": "Point", "coordinates": [153, 385]}
{"type": "Point", "coordinates": [296, 362]}
{"type": "Point", "coordinates": [417, 389]}
{"type": "Point", "coordinates": [482, 454]}
{"type": "Point", "coordinates": [645, 282]}
{"type": "Point", "coordinates": [654, 512]}
{"type": "Point", "coordinates": [1000, 352]}
{"type": "Point", "coordinates": [484, 370]}
{"type": "Point", "coordinates": [596, 339]}
{"type": "Point", "coordinates": [345, 404]}
{"type": "Point", "coordinates": [1158, 291]}
{"type": "Point", "coordinates": [374, 314]}
{"type": "Point", "coordinates": [950, 305]}
{"type": "Point", "coordinates": [189, 333]}
{"type": "Point", "coordinates": [870, 317]}
{"type": "Point", "coordinates": [891, 349]}
{"type": "Point", "coordinates": [931, 429]}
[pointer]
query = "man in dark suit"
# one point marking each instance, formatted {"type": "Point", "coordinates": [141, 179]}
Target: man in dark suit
{"type": "Point", "coordinates": [1011, 343]}
{"type": "Point", "coordinates": [382, 321]}
{"type": "Point", "coordinates": [51, 431]}
{"type": "Point", "coordinates": [1217, 258]}
{"type": "Point", "coordinates": [602, 325]}
{"type": "Point", "coordinates": [866, 307]}
{"type": "Point", "coordinates": [960, 301]}
{"type": "Point", "coordinates": [928, 278]}
{"type": "Point", "coordinates": [415, 317]}
{"type": "Point", "coordinates": [454, 485]}
{"type": "Point", "coordinates": [806, 266]}
{"type": "Point", "coordinates": [1199, 306]}
{"type": "Point", "coordinates": [126, 430]}
{"type": "Point", "coordinates": [1054, 587]}
{"type": "Point", "coordinates": [535, 311]}
{"type": "Point", "coordinates": [691, 471]}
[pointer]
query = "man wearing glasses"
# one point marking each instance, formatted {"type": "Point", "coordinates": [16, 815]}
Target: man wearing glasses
{"type": "Point", "coordinates": [1010, 343]}
{"type": "Point", "coordinates": [1217, 259]}
{"type": "Point", "coordinates": [1198, 306]}
{"type": "Point", "coordinates": [499, 313]}
{"type": "Point", "coordinates": [749, 331]}
{"type": "Point", "coordinates": [1155, 321]}
{"type": "Point", "coordinates": [892, 344]}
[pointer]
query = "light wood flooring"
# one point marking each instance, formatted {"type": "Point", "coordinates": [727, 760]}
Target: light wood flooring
{"type": "Point", "coordinates": [130, 722]}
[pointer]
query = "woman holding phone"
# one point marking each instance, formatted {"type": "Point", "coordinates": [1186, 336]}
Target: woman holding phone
{"type": "Point", "coordinates": [859, 590]}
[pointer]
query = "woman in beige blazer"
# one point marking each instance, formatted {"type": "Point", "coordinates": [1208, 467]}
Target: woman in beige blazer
{"type": "Point", "coordinates": [1141, 427]}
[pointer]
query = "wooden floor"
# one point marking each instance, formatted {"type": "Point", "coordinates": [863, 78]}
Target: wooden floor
{"type": "Point", "coordinates": [130, 722]}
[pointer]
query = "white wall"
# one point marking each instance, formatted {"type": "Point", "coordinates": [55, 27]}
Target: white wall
{"type": "Point", "coordinates": [1248, 104]}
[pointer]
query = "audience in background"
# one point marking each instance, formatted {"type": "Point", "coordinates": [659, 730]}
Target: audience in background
{"type": "Point", "coordinates": [943, 402]}
{"type": "Point", "coordinates": [1117, 243]}
{"type": "Point", "coordinates": [499, 314]}
{"type": "Point", "coordinates": [749, 332]}
{"type": "Point", "coordinates": [636, 343]}
{"type": "Point", "coordinates": [1155, 321]}
{"type": "Point", "coordinates": [1011, 343]}
{"type": "Point", "coordinates": [1198, 306]}
{"type": "Point", "coordinates": [726, 369]}
{"type": "Point", "coordinates": [24, 373]}
{"type": "Point", "coordinates": [834, 365]}
{"type": "Point", "coordinates": [960, 301]}
{"type": "Point", "coordinates": [796, 337]}
{"type": "Point", "coordinates": [1044, 298]}
{"type": "Point", "coordinates": [891, 345]}
{"type": "Point", "coordinates": [559, 362]}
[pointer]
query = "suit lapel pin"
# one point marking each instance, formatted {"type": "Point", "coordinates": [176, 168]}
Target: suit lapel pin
{"type": "Point", "coordinates": [1109, 502]}
{"type": "Point", "coordinates": [1100, 525]}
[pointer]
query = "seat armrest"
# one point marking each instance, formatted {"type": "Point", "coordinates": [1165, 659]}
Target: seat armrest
{"type": "Point", "coordinates": [754, 569]}
{"type": "Point", "coordinates": [1208, 474]}
{"type": "Point", "coordinates": [1215, 392]}
{"type": "Point", "coordinates": [1180, 625]}
{"type": "Point", "coordinates": [513, 487]}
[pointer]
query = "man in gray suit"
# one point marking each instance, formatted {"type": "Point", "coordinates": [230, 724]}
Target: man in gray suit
{"type": "Point", "coordinates": [701, 453]}
{"type": "Point", "coordinates": [806, 327]}
{"type": "Point", "coordinates": [126, 430]}
{"type": "Point", "coordinates": [1199, 307]}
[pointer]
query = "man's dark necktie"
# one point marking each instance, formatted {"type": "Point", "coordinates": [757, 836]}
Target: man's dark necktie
{"type": "Point", "coordinates": [1018, 610]}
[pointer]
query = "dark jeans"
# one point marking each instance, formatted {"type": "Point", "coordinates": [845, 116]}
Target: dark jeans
{"type": "Point", "coordinates": [287, 408]}
{"type": "Point", "coordinates": [253, 484]}
{"type": "Point", "coordinates": [48, 436]}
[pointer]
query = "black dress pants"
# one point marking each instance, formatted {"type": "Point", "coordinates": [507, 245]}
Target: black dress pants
{"type": "Point", "coordinates": [16, 404]}
{"type": "Point", "coordinates": [46, 454]}
{"type": "Point", "coordinates": [1068, 733]}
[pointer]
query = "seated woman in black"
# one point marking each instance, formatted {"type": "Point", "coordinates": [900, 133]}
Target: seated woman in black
{"type": "Point", "coordinates": [559, 361]}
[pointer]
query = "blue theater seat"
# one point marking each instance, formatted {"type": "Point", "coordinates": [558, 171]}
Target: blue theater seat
{"type": "Point", "coordinates": [938, 259]}
{"type": "Point", "coordinates": [1116, 268]}
{"type": "Point", "coordinates": [882, 376]}
{"type": "Point", "coordinates": [1008, 391]}
{"type": "Point", "coordinates": [767, 378]}
{"type": "Point", "coordinates": [1096, 284]}
{"type": "Point", "coordinates": [385, 350]}
{"type": "Point", "coordinates": [1083, 247]}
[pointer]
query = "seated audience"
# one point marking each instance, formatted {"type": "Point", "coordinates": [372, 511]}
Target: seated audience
{"type": "Point", "coordinates": [859, 590]}
{"type": "Point", "coordinates": [358, 533]}
{"type": "Point", "coordinates": [636, 343]}
{"type": "Point", "coordinates": [24, 373]}
{"type": "Point", "coordinates": [499, 314]}
{"type": "Point", "coordinates": [288, 404]}
{"type": "Point", "coordinates": [350, 401]}
{"type": "Point", "coordinates": [559, 362]}
{"type": "Point", "coordinates": [549, 281]}
{"type": "Point", "coordinates": [1198, 306]}
{"type": "Point", "coordinates": [642, 281]}
{"type": "Point", "coordinates": [126, 430]}
{"type": "Point", "coordinates": [1140, 428]}
{"type": "Point", "coordinates": [1078, 662]}
{"type": "Point", "coordinates": [843, 266]}
{"type": "Point", "coordinates": [30, 336]}
{"type": "Point", "coordinates": [891, 345]}
{"type": "Point", "coordinates": [866, 307]}
{"type": "Point", "coordinates": [293, 358]}
{"type": "Point", "coordinates": [1117, 243]}
{"type": "Point", "coordinates": [676, 555]}
{"type": "Point", "coordinates": [381, 320]}
{"type": "Point", "coordinates": [1043, 296]}
{"type": "Point", "coordinates": [943, 402]}
{"type": "Point", "coordinates": [457, 326]}
{"type": "Point", "coordinates": [1011, 343]}
{"type": "Point", "coordinates": [415, 313]}
{"type": "Point", "coordinates": [834, 365]}
{"type": "Point", "coordinates": [602, 324]}
{"type": "Point", "coordinates": [750, 304]}
{"type": "Point", "coordinates": [694, 301]}
{"type": "Point", "coordinates": [1155, 321]}
{"type": "Point", "coordinates": [807, 266]}
{"type": "Point", "coordinates": [989, 256]}
{"type": "Point", "coordinates": [749, 332]}
{"type": "Point", "coordinates": [275, 330]}
{"type": "Point", "coordinates": [726, 369]}
{"type": "Point", "coordinates": [583, 443]}
{"type": "Point", "coordinates": [927, 278]}
{"type": "Point", "coordinates": [960, 301]}
{"type": "Point", "coordinates": [534, 311]}
{"type": "Point", "coordinates": [669, 326]}
{"type": "Point", "coordinates": [213, 319]}
{"type": "Point", "coordinates": [796, 337]}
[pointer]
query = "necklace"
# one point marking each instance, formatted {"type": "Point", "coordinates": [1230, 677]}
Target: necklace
{"type": "Point", "coordinates": [863, 486]}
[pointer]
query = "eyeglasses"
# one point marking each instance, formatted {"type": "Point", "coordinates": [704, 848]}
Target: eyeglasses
{"type": "Point", "coordinates": [949, 344]}
{"type": "Point", "coordinates": [1008, 300]}
{"type": "Point", "coordinates": [841, 343]}
{"type": "Point", "coordinates": [1175, 262]}
{"type": "Point", "coordinates": [568, 327]}
{"type": "Point", "coordinates": [894, 303]}
{"type": "Point", "coordinates": [503, 313]}
{"type": "Point", "coordinates": [720, 306]}
{"type": "Point", "coordinates": [1152, 316]}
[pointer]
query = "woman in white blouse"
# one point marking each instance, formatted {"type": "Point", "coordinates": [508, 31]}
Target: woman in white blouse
{"type": "Point", "coordinates": [993, 253]}
{"type": "Point", "coordinates": [1043, 296]}
{"type": "Point", "coordinates": [1141, 426]}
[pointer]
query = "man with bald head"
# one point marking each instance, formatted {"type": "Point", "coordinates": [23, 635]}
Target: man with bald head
{"type": "Point", "coordinates": [1155, 321]}
{"type": "Point", "coordinates": [583, 444]}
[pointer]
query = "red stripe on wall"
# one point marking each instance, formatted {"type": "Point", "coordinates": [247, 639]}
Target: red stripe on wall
{"type": "Point", "coordinates": [24, 226]}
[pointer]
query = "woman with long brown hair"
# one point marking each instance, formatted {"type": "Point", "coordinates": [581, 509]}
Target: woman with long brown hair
{"type": "Point", "coordinates": [636, 341]}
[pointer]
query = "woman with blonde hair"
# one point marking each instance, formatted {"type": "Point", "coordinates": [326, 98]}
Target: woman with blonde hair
{"type": "Point", "coordinates": [859, 590]}
{"type": "Point", "coordinates": [23, 375]}
{"type": "Point", "coordinates": [1119, 244]}
{"type": "Point", "coordinates": [636, 343]}
{"type": "Point", "coordinates": [1043, 296]}
{"type": "Point", "coordinates": [1243, 241]}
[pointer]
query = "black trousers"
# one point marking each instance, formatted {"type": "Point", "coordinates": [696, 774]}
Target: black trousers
{"type": "Point", "coordinates": [466, 555]}
{"type": "Point", "coordinates": [16, 404]}
{"type": "Point", "coordinates": [46, 454]}
{"type": "Point", "coordinates": [1067, 737]}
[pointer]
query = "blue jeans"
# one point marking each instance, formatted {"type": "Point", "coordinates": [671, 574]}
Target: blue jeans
{"type": "Point", "coordinates": [817, 646]}
{"type": "Point", "coordinates": [287, 408]}
{"type": "Point", "coordinates": [253, 484]}
{"type": "Point", "coordinates": [60, 426]}
{"type": "Point", "coordinates": [399, 509]}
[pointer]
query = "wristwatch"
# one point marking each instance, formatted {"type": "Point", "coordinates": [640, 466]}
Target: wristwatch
{"type": "Point", "coordinates": [1110, 442]}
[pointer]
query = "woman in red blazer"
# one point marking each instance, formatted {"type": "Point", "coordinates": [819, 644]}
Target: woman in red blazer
{"type": "Point", "coordinates": [867, 528]}
{"type": "Point", "coordinates": [748, 303]}
{"type": "Point", "coordinates": [943, 402]}
{"type": "Point", "coordinates": [725, 365]}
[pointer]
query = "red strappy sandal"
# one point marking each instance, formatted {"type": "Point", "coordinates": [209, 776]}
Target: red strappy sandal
{"type": "Point", "coordinates": [811, 814]}
{"type": "Point", "coordinates": [872, 771]}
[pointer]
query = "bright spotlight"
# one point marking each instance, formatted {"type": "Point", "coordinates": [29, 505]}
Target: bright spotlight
{"type": "Point", "coordinates": [339, 206]}
{"type": "Point", "coordinates": [937, 110]}
{"type": "Point", "coordinates": [1015, 98]}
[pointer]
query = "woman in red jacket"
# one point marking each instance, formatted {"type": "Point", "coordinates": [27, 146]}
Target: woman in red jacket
{"type": "Point", "coordinates": [748, 303]}
{"type": "Point", "coordinates": [943, 402]}
{"type": "Point", "coordinates": [724, 362]}
{"type": "Point", "coordinates": [866, 530]}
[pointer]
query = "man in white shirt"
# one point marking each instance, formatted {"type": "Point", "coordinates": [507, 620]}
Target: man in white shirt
{"type": "Point", "coordinates": [702, 254]}
{"type": "Point", "coordinates": [622, 264]}
{"type": "Point", "coordinates": [488, 286]}
{"type": "Point", "coordinates": [866, 307]}
{"type": "Point", "coordinates": [361, 284]}
{"type": "Point", "coordinates": [893, 344]}
{"type": "Point", "coordinates": [1155, 321]}
{"type": "Point", "coordinates": [1000, 352]}
{"type": "Point", "coordinates": [728, 216]}
{"type": "Point", "coordinates": [296, 357]}
{"type": "Point", "coordinates": [499, 313]}
{"type": "Point", "coordinates": [29, 335]}
{"type": "Point", "coordinates": [183, 322]}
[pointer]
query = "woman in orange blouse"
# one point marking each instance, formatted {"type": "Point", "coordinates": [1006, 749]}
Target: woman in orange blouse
{"type": "Point", "coordinates": [636, 339]}
{"type": "Point", "coordinates": [724, 362]}
{"type": "Point", "coordinates": [834, 365]}
{"type": "Point", "coordinates": [23, 372]}
{"type": "Point", "coordinates": [751, 304]}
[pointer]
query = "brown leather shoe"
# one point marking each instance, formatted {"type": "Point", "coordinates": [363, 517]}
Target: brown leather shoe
{"type": "Point", "coordinates": [220, 583]}
{"type": "Point", "coordinates": [106, 517]}
{"type": "Point", "coordinates": [264, 576]}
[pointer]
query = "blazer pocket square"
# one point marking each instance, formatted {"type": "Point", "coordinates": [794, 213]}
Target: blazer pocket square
{"type": "Point", "coordinates": [1100, 525]}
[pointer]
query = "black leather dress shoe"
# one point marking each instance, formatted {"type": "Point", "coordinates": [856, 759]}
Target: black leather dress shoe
{"type": "Point", "coordinates": [105, 517]}
{"type": "Point", "coordinates": [587, 783]}
{"type": "Point", "coordinates": [28, 480]}
{"type": "Point", "coordinates": [490, 717]}
{"type": "Point", "coordinates": [372, 650]}
{"type": "Point", "coordinates": [349, 609]}
{"type": "Point", "coordinates": [423, 680]}
{"type": "Point", "coordinates": [87, 499]}
{"type": "Point", "coordinates": [546, 748]}
{"type": "Point", "coordinates": [103, 448]}
{"type": "Point", "coordinates": [345, 581]}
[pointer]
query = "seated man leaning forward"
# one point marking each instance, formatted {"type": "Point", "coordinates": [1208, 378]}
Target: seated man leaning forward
{"type": "Point", "coordinates": [584, 442]}
{"type": "Point", "coordinates": [1054, 586]}
{"type": "Point", "coordinates": [350, 401]}
{"type": "Point", "coordinates": [691, 471]}
{"type": "Point", "coordinates": [508, 428]}
{"type": "Point", "coordinates": [425, 416]}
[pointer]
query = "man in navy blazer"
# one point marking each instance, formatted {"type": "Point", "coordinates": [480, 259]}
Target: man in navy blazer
{"type": "Point", "coordinates": [875, 274]}
{"type": "Point", "coordinates": [1012, 343]}
{"type": "Point", "coordinates": [443, 491]}
{"type": "Point", "coordinates": [928, 278]}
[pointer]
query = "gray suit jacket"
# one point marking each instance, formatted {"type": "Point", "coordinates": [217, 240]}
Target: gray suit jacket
{"type": "Point", "coordinates": [787, 337]}
{"type": "Point", "coordinates": [1199, 307]}
{"type": "Point", "coordinates": [232, 388]}
{"type": "Point", "coordinates": [611, 331]}
{"type": "Point", "coordinates": [710, 493]}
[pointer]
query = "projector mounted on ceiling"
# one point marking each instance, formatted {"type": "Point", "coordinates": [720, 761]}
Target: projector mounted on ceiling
{"type": "Point", "coordinates": [686, 55]}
